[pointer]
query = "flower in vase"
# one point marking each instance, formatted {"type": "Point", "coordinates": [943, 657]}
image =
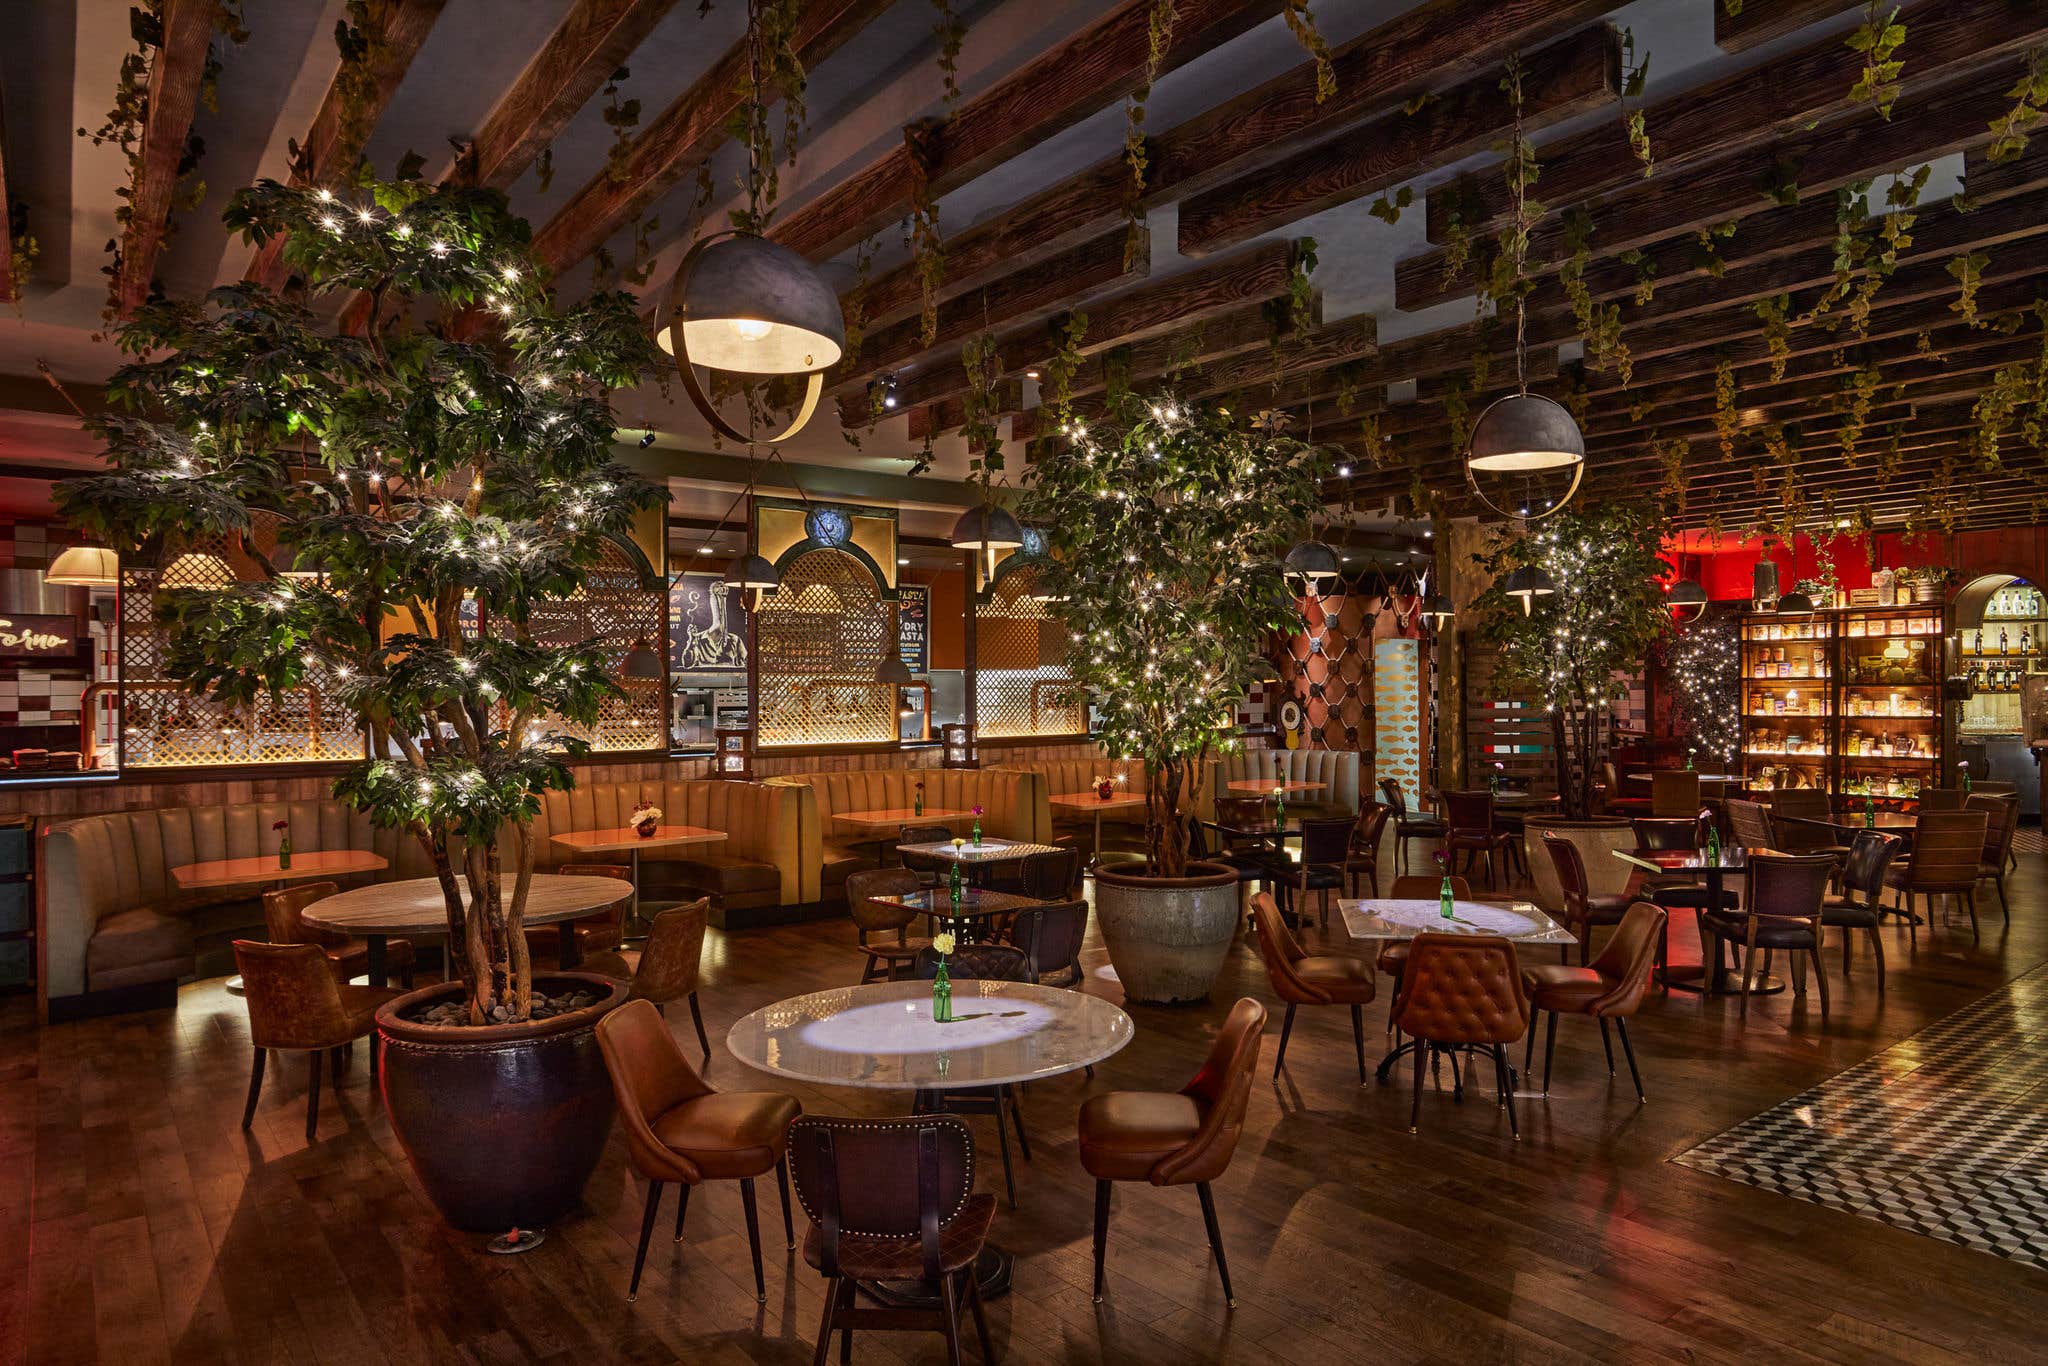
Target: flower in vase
{"type": "Point", "coordinates": [959, 842]}
{"type": "Point", "coordinates": [976, 810]}
{"type": "Point", "coordinates": [942, 944]}
{"type": "Point", "coordinates": [279, 825]}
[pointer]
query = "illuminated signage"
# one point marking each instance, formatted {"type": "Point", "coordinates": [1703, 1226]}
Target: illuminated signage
{"type": "Point", "coordinates": [38, 637]}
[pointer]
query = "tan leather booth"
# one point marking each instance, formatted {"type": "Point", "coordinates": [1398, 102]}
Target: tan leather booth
{"type": "Point", "coordinates": [113, 917]}
{"type": "Point", "coordinates": [1057, 777]}
{"type": "Point", "coordinates": [1341, 770]}
{"type": "Point", "coordinates": [833, 849]}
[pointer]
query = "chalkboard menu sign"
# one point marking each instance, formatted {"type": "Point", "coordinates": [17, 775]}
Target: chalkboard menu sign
{"type": "Point", "coordinates": [913, 626]}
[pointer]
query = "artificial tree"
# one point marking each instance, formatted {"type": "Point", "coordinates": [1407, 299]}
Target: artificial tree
{"type": "Point", "coordinates": [1165, 522]}
{"type": "Point", "coordinates": [1577, 646]}
{"type": "Point", "coordinates": [454, 449]}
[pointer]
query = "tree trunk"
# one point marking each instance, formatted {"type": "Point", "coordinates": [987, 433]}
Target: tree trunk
{"type": "Point", "coordinates": [1561, 757]}
{"type": "Point", "coordinates": [1166, 834]}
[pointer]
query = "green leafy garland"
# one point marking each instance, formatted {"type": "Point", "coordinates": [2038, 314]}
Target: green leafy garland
{"type": "Point", "coordinates": [927, 248]}
{"type": "Point", "coordinates": [2030, 101]}
{"type": "Point", "coordinates": [1159, 22]}
{"type": "Point", "coordinates": [1775, 314]}
{"type": "Point", "coordinates": [1302, 25]}
{"type": "Point", "coordinates": [1599, 324]}
{"type": "Point", "coordinates": [1967, 269]}
{"type": "Point", "coordinates": [951, 33]}
{"type": "Point", "coordinates": [622, 117]}
{"type": "Point", "coordinates": [980, 358]}
{"type": "Point", "coordinates": [1878, 39]}
{"type": "Point", "coordinates": [1635, 75]}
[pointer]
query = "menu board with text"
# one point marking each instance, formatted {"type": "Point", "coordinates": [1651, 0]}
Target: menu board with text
{"type": "Point", "coordinates": [913, 628]}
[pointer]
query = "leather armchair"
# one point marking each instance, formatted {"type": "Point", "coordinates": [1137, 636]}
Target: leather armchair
{"type": "Point", "coordinates": [296, 1006]}
{"type": "Point", "coordinates": [1303, 979]}
{"type": "Point", "coordinates": [1176, 1139]}
{"type": "Point", "coordinates": [1457, 991]}
{"type": "Point", "coordinates": [891, 958]}
{"type": "Point", "coordinates": [677, 1129]}
{"type": "Point", "coordinates": [347, 955]}
{"type": "Point", "coordinates": [1611, 988]}
{"type": "Point", "coordinates": [1783, 912]}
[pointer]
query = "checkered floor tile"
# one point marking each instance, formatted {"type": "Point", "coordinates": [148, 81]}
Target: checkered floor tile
{"type": "Point", "coordinates": [1944, 1133]}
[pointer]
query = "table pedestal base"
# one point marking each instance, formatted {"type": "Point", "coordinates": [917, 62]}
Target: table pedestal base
{"type": "Point", "coordinates": [517, 1240]}
{"type": "Point", "coordinates": [991, 1272]}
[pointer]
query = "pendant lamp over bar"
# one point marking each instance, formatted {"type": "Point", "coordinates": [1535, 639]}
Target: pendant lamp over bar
{"type": "Point", "coordinates": [641, 662]}
{"type": "Point", "coordinates": [1528, 584]}
{"type": "Point", "coordinates": [1438, 610]}
{"type": "Point", "coordinates": [1795, 604]}
{"type": "Point", "coordinates": [85, 566]}
{"type": "Point", "coordinates": [987, 527]}
{"type": "Point", "coordinates": [754, 576]}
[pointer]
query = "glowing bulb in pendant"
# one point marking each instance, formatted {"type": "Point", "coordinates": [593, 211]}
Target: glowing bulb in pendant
{"type": "Point", "coordinates": [750, 329]}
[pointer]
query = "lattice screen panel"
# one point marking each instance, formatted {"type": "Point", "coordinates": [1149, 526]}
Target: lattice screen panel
{"type": "Point", "coordinates": [1022, 686]}
{"type": "Point", "coordinates": [166, 726]}
{"type": "Point", "coordinates": [819, 638]}
{"type": "Point", "coordinates": [616, 610]}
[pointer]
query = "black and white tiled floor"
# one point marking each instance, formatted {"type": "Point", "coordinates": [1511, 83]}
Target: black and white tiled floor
{"type": "Point", "coordinates": [1944, 1133]}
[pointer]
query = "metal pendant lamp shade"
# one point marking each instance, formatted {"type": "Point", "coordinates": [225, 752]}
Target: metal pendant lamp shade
{"type": "Point", "coordinates": [641, 662]}
{"type": "Point", "coordinates": [1687, 593]}
{"type": "Point", "coordinates": [1438, 610]}
{"type": "Point", "coordinates": [752, 572]}
{"type": "Point", "coordinates": [893, 670]}
{"type": "Point", "coordinates": [1522, 433]}
{"type": "Point", "coordinates": [754, 307]}
{"type": "Point", "coordinates": [1796, 604]}
{"type": "Point", "coordinates": [987, 527]}
{"type": "Point", "coordinates": [1528, 584]}
{"type": "Point", "coordinates": [85, 566]}
{"type": "Point", "coordinates": [1309, 563]}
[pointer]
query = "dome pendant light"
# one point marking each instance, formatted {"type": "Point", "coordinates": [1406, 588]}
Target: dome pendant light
{"type": "Point", "coordinates": [1528, 584]}
{"type": "Point", "coordinates": [744, 304]}
{"type": "Point", "coordinates": [891, 670]}
{"type": "Point", "coordinates": [988, 527]}
{"type": "Point", "coordinates": [1687, 593]}
{"type": "Point", "coordinates": [1308, 564]}
{"type": "Point", "coordinates": [1437, 611]}
{"type": "Point", "coordinates": [85, 566]}
{"type": "Point", "coordinates": [752, 575]}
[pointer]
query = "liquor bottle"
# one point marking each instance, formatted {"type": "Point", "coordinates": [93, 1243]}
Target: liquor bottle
{"type": "Point", "coordinates": [2026, 642]}
{"type": "Point", "coordinates": [2001, 640]}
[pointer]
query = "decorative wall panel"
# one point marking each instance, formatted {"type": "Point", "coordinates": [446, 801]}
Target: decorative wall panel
{"type": "Point", "coordinates": [1022, 685]}
{"type": "Point", "coordinates": [1398, 697]}
{"type": "Point", "coordinates": [819, 638]}
{"type": "Point", "coordinates": [616, 609]}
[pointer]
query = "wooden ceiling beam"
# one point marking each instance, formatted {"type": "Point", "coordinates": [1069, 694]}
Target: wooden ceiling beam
{"type": "Point", "coordinates": [1746, 109]}
{"type": "Point", "coordinates": [337, 134]}
{"type": "Point", "coordinates": [1088, 72]}
{"type": "Point", "coordinates": [10, 288]}
{"type": "Point", "coordinates": [1568, 78]}
{"type": "Point", "coordinates": [679, 139]}
{"type": "Point", "coordinates": [1923, 126]}
{"type": "Point", "coordinates": [594, 39]}
{"type": "Point", "coordinates": [176, 72]}
{"type": "Point", "coordinates": [1756, 24]}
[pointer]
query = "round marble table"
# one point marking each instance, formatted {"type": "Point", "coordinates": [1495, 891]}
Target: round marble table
{"type": "Point", "coordinates": [415, 906]}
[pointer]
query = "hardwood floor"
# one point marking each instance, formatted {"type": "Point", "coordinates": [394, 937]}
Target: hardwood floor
{"type": "Point", "coordinates": [138, 1223]}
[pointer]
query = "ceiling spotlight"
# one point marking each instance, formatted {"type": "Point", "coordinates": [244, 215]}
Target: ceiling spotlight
{"type": "Point", "coordinates": [1343, 471]}
{"type": "Point", "coordinates": [646, 440]}
{"type": "Point", "coordinates": [882, 393]}
{"type": "Point", "coordinates": [1031, 374]}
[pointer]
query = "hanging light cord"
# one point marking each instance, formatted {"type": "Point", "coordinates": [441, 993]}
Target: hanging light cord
{"type": "Point", "coordinates": [1521, 233]}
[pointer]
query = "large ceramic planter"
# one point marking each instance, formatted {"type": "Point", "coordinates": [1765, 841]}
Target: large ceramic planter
{"type": "Point", "coordinates": [504, 1123]}
{"type": "Point", "coordinates": [1167, 937]}
{"type": "Point", "coordinates": [1597, 838]}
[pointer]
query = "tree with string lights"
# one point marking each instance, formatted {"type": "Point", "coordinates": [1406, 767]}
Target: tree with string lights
{"type": "Point", "coordinates": [1705, 666]}
{"type": "Point", "coordinates": [1576, 645]}
{"type": "Point", "coordinates": [1165, 522]}
{"type": "Point", "coordinates": [406, 474]}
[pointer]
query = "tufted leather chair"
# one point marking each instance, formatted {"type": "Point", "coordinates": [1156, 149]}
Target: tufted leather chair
{"type": "Point", "coordinates": [892, 957]}
{"type": "Point", "coordinates": [348, 956]}
{"type": "Point", "coordinates": [1469, 829]}
{"type": "Point", "coordinates": [1583, 908]}
{"type": "Point", "coordinates": [295, 1005]}
{"type": "Point", "coordinates": [1302, 979]}
{"type": "Point", "coordinates": [678, 1129]}
{"type": "Point", "coordinates": [1784, 912]}
{"type": "Point", "coordinates": [892, 1200]}
{"type": "Point", "coordinates": [1870, 858]}
{"type": "Point", "coordinates": [603, 932]}
{"type": "Point", "coordinates": [1176, 1138]}
{"type": "Point", "coordinates": [1363, 856]}
{"type": "Point", "coordinates": [1050, 875]}
{"type": "Point", "coordinates": [1393, 959]}
{"type": "Point", "coordinates": [1947, 854]}
{"type": "Point", "coordinates": [1461, 990]}
{"type": "Point", "coordinates": [668, 967]}
{"type": "Point", "coordinates": [1612, 988]}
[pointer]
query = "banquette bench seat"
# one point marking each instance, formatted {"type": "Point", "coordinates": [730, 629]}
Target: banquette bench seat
{"type": "Point", "coordinates": [833, 849]}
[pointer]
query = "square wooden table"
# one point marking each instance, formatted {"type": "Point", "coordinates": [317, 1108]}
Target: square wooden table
{"type": "Point", "coordinates": [887, 823]}
{"type": "Point", "coordinates": [265, 868]}
{"type": "Point", "coordinates": [627, 839]}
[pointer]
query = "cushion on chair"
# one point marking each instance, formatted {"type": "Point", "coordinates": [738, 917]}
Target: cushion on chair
{"type": "Point", "coordinates": [1692, 898]}
{"type": "Point", "coordinates": [1846, 913]}
{"type": "Point", "coordinates": [136, 946]}
{"type": "Point", "coordinates": [1124, 1134]}
{"type": "Point", "coordinates": [1393, 959]}
{"type": "Point", "coordinates": [1344, 976]}
{"type": "Point", "coordinates": [902, 1259]}
{"type": "Point", "coordinates": [1770, 934]}
{"type": "Point", "coordinates": [1567, 990]}
{"type": "Point", "coordinates": [729, 1134]}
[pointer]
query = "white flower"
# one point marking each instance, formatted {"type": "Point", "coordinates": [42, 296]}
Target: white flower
{"type": "Point", "coordinates": [942, 944]}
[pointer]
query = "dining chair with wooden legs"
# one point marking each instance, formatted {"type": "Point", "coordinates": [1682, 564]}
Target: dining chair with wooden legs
{"type": "Point", "coordinates": [1612, 987]}
{"type": "Point", "coordinates": [1303, 979]}
{"type": "Point", "coordinates": [1783, 911]}
{"type": "Point", "coordinates": [669, 966]}
{"type": "Point", "coordinates": [1425, 825]}
{"type": "Point", "coordinates": [595, 933]}
{"type": "Point", "coordinates": [284, 910]}
{"type": "Point", "coordinates": [1458, 991]}
{"type": "Point", "coordinates": [1175, 1138]}
{"type": "Point", "coordinates": [2001, 816]}
{"type": "Point", "coordinates": [892, 1200]}
{"type": "Point", "coordinates": [1469, 828]}
{"type": "Point", "coordinates": [678, 1129]}
{"type": "Point", "coordinates": [1750, 824]}
{"type": "Point", "coordinates": [889, 955]}
{"type": "Point", "coordinates": [1948, 849]}
{"type": "Point", "coordinates": [1363, 857]}
{"type": "Point", "coordinates": [1858, 907]}
{"type": "Point", "coordinates": [296, 1006]}
{"type": "Point", "coordinates": [1583, 908]}
{"type": "Point", "coordinates": [1392, 959]}
{"type": "Point", "coordinates": [1325, 848]}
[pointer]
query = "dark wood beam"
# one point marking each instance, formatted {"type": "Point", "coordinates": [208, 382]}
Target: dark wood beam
{"type": "Point", "coordinates": [1923, 126]}
{"type": "Point", "coordinates": [1063, 283]}
{"type": "Point", "coordinates": [1752, 108]}
{"type": "Point", "coordinates": [1090, 71]}
{"type": "Point", "coordinates": [1567, 78]}
{"type": "Point", "coordinates": [335, 138]}
{"type": "Point", "coordinates": [175, 74]}
{"type": "Point", "coordinates": [1758, 22]}
{"type": "Point", "coordinates": [683, 135]}
{"type": "Point", "coordinates": [594, 39]}
{"type": "Point", "coordinates": [10, 287]}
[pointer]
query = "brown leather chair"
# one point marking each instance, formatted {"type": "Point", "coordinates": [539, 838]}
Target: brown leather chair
{"type": "Point", "coordinates": [1750, 824]}
{"type": "Point", "coordinates": [283, 916]}
{"type": "Point", "coordinates": [2001, 817]}
{"type": "Point", "coordinates": [1942, 799]}
{"type": "Point", "coordinates": [679, 1129]}
{"type": "Point", "coordinates": [1249, 856]}
{"type": "Point", "coordinates": [1583, 907]}
{"type": "Point", "coordinates": [1325, 850]}
{"type": "Point", "coordinates": [1051, 937]}
{"type": "Point", "coordinates": [891, 957]}
{"type": "Point", "coordinates": [927, 867]}
{"type": "Point", "coordinates": [1674, 792]}
{"type": "Point", "coordinates": [1611, 988]}
{"type": "Point", "coordinates": [1799, 822]}
{"type": "Point", "coordinates": [1783, 912]}
{"type": "Point", "coordinates": [892, 1200]}
{"type": "Point", "coordinates": [296, 1005]}
{"type": "Point", "coordinates": [1857, 908]}
{"type": "Point", "coordinates": [1303, 979]}
{"type": "Point", "coordinates": [1948, 851]}
{"type": "Point", "coordinates": [1413, 887]}
{"type": "Point", "coordinates": [1363, 857]}
{"type": "Point", "coordinates": [594, 933]}
{"type": "Point", "coordinates": [1183, 1138]}
{"type": "Point", "coordinates": [669, 966]}
{"type": "Point", "coordinates": [1460, 991]}
{"type": "Point", "coordinates": [1053, 875]}
{"type": "Point", "coordinates": [1408, 826]}
{"type": "Point", "coordinates": [1469, 829]}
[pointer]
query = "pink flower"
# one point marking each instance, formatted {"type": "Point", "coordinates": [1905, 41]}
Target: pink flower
{"type": "Point", "coordinates": [977, 809]}
{"type": "Point", "coordinates": [1441, 861]}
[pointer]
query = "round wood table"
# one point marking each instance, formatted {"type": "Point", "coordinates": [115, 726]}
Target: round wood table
{"type": "Point", "coordinates": [882, 1037]}
{"type": "Point", "coordinates": [415, 907]}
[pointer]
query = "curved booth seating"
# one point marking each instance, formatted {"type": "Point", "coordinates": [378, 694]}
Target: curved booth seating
{"type": "Point", "coordinates": [1340, 770]}
{"type": "Point", "coordinates": [116, 926]}
{"type": "Point", "coordinates": [829, 850]}
{"type": "Point", "coordinates": [1122, 829]}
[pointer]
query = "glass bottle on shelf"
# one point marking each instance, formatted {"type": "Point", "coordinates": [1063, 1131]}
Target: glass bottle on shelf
{"type": "Point", "coordinates": [2001, 640]}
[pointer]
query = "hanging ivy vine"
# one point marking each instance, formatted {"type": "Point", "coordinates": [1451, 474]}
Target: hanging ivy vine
{"type": "Point", "coordinates": [1387, 208]}
{"type": "Point", "coordinates": [1775, 314]}
{"type": "Point", "coordinates": [951, 33]}
{"type": "Point", "coordinates": [1057, 389]}
{"type": "Point", "coordinates": [927, 249]}
{"type": "Point", "coordinates": [1878, 38]}
{"type": "Point", "coordinates": [1967, 270]}
{"type": "Point", "coordinates": [1635, 75]}
{"type": "Point", "coordinates": [1137, 157]}
{"type": "Point", "coordinates": [2030, 101]}
{"type": "Point", "coordinates": [1302, 25]}
{"type": "Point", "coordinates": [1727, 424]}
{"type": "Point", "coordinates": [622, 116]}
{"type": "Point", "coordinates": [1599, 324]}
{"type": "Point", "coordinates": [984, 445]}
